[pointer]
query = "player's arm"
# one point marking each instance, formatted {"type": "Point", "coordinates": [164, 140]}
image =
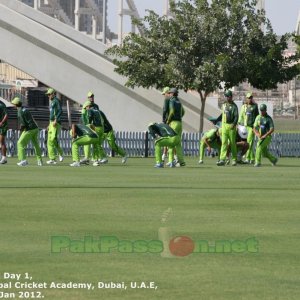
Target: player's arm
{"type": "Point", "coordinates": [171, 112]}
{"type": "Point", "coordinates": [4, 118]}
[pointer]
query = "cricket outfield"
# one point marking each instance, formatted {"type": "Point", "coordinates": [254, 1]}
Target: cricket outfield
{"type": "Point", "coordinates": [103, 232]}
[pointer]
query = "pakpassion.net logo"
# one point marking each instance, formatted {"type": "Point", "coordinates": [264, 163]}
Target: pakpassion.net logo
{"type": "Point", "coordinates": [178, 246]}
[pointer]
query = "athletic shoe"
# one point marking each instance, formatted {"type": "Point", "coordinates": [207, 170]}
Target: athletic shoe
{"type": "Point", "coordinates": [246, 162]}
{"type": "Point", "coordinates": [96, 163]}
{"type": "Point", "coordinates": [3, 160]}
{"type": "Point", "coordinates": [233, 163]}
{"type": "Point", "coordinates": [124, 159]}
{"type": "Point", "coordinates": [171, 164]}
{"type": "Point", "coordinates": [180, 164]}
{"type": "Point", "coordinates": [104, 161]}
{"type": "Point", "coordinates": [221, 163]}
{"type": "Point", "coordinates": [84, 161]}
{"type": "Point", "coordinates": [200, 162]}
{"type": "Point", "coordinates": [40, 163]}
{"type": "Point", "coordinates": [22, 163]}
{"type": "Point", "coordinates": [61, 158]}
{"type": "Point", "coordinates": [257, 165]}
{"type": "Point", "coordinates": [275, 162]}
{"type": "Point", "coordinates": [51, 162]}
{"type": "Point", "coordinates": [227, 162]}
{"type": "Point", "coordinates": [159, 165]}
{"type": "Point", "coordinates": [75, 164]}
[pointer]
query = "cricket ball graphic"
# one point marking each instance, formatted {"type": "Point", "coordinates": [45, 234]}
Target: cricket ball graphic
{"type": "Point", "coordinates": [181, 246]}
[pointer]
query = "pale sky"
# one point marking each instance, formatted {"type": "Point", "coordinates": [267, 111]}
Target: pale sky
{"type": "Point", "coordinates": [283, 14]}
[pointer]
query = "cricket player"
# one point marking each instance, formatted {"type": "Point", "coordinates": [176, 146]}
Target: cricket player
{"type": "Point", "coordinates": [263, 129]}
{"type": "Point", "coordinates": [165, 114]}
{"type": "Point", "coordinates": [82, 135]}
{"type": "Point", "coordinates": [229, 121]}
{"type": "Point", "coordinates": [96, 122]}
{"type": "Point", "coordinates": [54, 128]}
{"type": "Point", "coordinates": [176, 112]}
{"type": "Point", "coordinates": [111, 139]}
{"type": "Point", "coordinates": [3, 131]}
{"type": "Point", "coordinates": [211, 139]}
{"type": "Point", "coordinates": [29, 133]}
{"type": "Point", "coordinates": [165, 136]}
{"type": "Point", "coordinates": [241, 144]}
{"type": "Point", "coordinates": [249, 112]}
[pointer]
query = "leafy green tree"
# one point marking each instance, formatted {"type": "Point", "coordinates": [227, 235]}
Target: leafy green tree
{"type": "Point", "coordinates": [204, 45]}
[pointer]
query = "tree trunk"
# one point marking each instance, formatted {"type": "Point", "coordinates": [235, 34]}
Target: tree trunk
{"type": "Point", "coordinates": [203, 99]}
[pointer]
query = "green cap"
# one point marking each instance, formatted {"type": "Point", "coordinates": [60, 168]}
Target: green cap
{"type": "Point", "coordinates": [90, 94]}
{"type": "Point", "coordinates": [50, 91]}
{"type": "Point", "coordinates": [16, 101]}
{"type": "Point", "coordinates": [228, 93]}
{"type": "Point", "coordinates": [263, 107]}
{"type": "Point", "coordinates": [249, 95]}
{"type": "Point", "coordinates": [165, 90]}
{"type": "Point", "coordinates": [87, 103]}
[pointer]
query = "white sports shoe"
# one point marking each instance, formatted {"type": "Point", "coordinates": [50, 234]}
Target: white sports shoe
{"type": "Point", "coordinates": [51, 162]}
{"type": "Point", "coordinates": [22, 163]}
{"type": "Point", "coordinates": [3, 160]}
{"type": "Point", "coordinates": [104, 161]}
{"type": "Point", "coordinates": [40, 163]}
{"type": "Point", "coordinates": [61, 158]}
{"type": "Point", "coordinates": [200, 162]}
{"type": "Point", "coordinates": [124, 159]}
{"type": "Point", "coordinates": [96, 163]}
{"type": "Point", "coordinates": [75, 164]}
{"type": "Point", "coordinates": [84, 161]}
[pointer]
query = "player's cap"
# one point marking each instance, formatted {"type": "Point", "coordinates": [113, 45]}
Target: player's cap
{"type": "Point", "coordinates": [86, 104]}
{"type": "Point", "coordinates": [228, 93]}
{"type": "Point", "coordinates": [50, 91]}
{"type": "Point", "coordinates": [249, 95]}
{"type": "Point", "coordinates": [16, 101]}
{"type": "Point", "coordinates": [263, 107]}
{"type": "Point", "coordinates": [165, 90]}
{"type": "Point", "coordinates": [242, 130]}
{"type": "Point", "coordinates": [90, 94]}
{"type": "Point", "coordinates": [173, 91]}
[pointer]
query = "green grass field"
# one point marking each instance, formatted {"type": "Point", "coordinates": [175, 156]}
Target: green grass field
{"type": "Point", "coordinates": [127, 201]}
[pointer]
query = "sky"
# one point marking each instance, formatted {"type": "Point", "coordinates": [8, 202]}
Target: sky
{"type": "Point", "coordinates": [283, 14]}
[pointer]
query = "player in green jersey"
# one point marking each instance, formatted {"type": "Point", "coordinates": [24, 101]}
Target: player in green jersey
{"type": "Point", "coordinates": [165, 136]}
{"type": "Point", "coordinates": [82, 135]}
{"type": "Point", "coordinates": [263, 129]}
{"type": "Point", "coordinates": [54, 128]}
{"type": "Point", "coordinates": [3, 131]}
{"type": "Point", "coordinates": [29, 133]}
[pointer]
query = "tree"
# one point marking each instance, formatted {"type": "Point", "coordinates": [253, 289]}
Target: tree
{"type": "Point", "coordinates": [203, 45]}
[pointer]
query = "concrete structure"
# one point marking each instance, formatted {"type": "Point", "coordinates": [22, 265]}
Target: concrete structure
{"type": "Point", "coordinates": [73, 64]}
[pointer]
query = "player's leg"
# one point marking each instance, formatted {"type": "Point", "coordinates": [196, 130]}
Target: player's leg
{"type": "Point", "coordinates": [3, 132]}
{"type": "Point", "coordinates": [22, 144]}
{"type": "Point", "coordinates": [35, 142]}
{"type": "Point", "coordinates": [111, 139]}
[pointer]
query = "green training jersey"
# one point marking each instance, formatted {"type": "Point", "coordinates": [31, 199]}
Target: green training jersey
{"type": "Point", "coordinates": [26, 121]}
{"type": "Point", "coordinates": [161, 129]}
{"type": "Point", "coordinates": [55, 110]}
{"type": "Point", "coordinates": [176, 110]}
{"type": "Point", "coordinates": [263, 124]}
{"type": "Point", "coordinates": [84, 116]}
{"type": "Point", "coordinates": [211, 135]}
{"type": "Point", "coordinates": [95, 117]}
{"type": "Point", "coordinates": [251, 112]}
{"type": "Point", "coordinates": [83, 130]}
{"type": "Point", "coordinates": [107, 125]}
{"type": "Point", "coordinates": [230, 113]}
{"type": "Point", "coordinates": [165, 114]}
{"type": "Point", "coordinates": [3, 113]}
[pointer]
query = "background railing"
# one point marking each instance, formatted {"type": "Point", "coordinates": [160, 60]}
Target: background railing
{"type": "Point", "coordinates": [140, 144]}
